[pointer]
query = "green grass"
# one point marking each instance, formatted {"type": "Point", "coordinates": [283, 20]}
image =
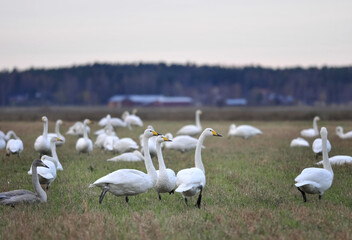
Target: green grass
{"type": "Point", "coordinates": [249, 194]}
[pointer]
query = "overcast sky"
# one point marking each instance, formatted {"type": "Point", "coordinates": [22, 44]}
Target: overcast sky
{"type": "Point", "coordinates": [271, 33]}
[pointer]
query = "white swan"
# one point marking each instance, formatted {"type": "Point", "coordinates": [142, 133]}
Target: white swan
{"type": "Point", "coordinates": [339, 132]}
{"type": "Point", "coordinates": [181, 143]}
{"type": "Point", "coordinates": [84, 144]}
{"type": "Point", "coordinates": [299, 142]}
{"type": "Point", "coordinates": [129, 182]}
{"type": "Point", "coordinates": [338, 160]}
{"type": "Point", "coordinates": [14, 146]}
{"type": "Point", "coordinates": [54, 154]}
{"type": "Point", "coordinates": [132, 119]}
{"type": "Point", "coordinates": [166, 177]}
{"type": "Point", "coordinates": [190, 181]}
{"type": "Point", "coordinates": [125, 145]}
{"type": "Point", "coordinates": [134, 156]}
{"type": "Point", "coordinates": [115, 122]}
{"type": "Point", "coordinates": [24, 196]}
{"type": "Point", "coordinates": [2, 143]}
{"type": "Point", "coordinates": [8, 135]}
{"type": "Point", "coordinates": [311, 132]}
{"type": "Point", "coordinates": [109, 142]}
{"type": "Point", "coordinates": [2, 134]}
{"type": "Point", "coordinates": [316, 180]}
{"type": "Point", "coordinates": [192, 130]}
{"type": "Point", "coordinates": [42, 143]}
{"type": "Point", "coordinates": [57, 134]}
{"type": "Point", "coordinates": [243, 131]}
{"type": "Point", "coordinates": [77, 129]}
{"type": "Point", "coordinates": [47, 174]}
{"type": "Point", "coordinates": [317, 147]}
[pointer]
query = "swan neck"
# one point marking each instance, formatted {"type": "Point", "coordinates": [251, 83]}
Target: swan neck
{"type": "Point", "coordinates": [57, 129]}
{"type": "Point", "coordinates": [315, 126]}
{"type": "Point", "coordinates": [326, 162]}
{"type": "Point", "coordinates": [148, 162]}
{"type": "Point", "coordinates": [159, 154]}
{"type": "Point", "coordinates": [37, 188]}
{"type": "Point", "coordinates": [198, 154]}
{"type": "Point", "coordinates": [198, 120]}
{"type": "Point", "coordinates": [85, 133]}
{"type": "Point", "coordinates": [45, 129]}
{"type": "Point", "coordinates": [53, 149]}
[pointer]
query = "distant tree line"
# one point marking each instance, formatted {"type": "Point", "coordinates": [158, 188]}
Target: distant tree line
{"type": "Point", "coordinates": [208, 85]}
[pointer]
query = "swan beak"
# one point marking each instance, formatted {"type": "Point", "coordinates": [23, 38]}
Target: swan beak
{"type": "Point", "coordinates": [216, 134]}
{"type": "Point", "coordinates": [166, 139]}
{"type": "Point", "coordinates": [59, 139]}
{"type": "Point", "coordinates": [155, 133]}
{"type": "Point", "coordinates": [90, 122]}
{"type": "Point", "coordinates": [43, 119]}
{"type": "Point", "coordinates": [43, 165]}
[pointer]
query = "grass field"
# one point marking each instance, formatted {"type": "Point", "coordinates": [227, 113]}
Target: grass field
{"type": "Point", "coordinates": [249, 192]}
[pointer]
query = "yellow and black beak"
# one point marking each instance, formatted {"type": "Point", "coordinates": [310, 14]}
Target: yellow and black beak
{"type": "Point", "coordinates": [43, 119]}
{"type": "Point", "coordinates": [166, 139]}
{"type": "Point", "coordinates": [59, 139]}
{"type": "Point", "coordinates": [216, 134]}
{"type": "Point", "coordinates": [155, 133]}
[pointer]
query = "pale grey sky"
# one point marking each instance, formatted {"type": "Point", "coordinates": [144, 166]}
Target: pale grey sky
{"type": "Point", "coordinates": [272, 33]}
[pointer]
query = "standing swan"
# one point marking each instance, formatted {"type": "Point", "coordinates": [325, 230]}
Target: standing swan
{"type": "Point", "coordinates": [42, 143]}
{"type": "Point", "coordinates": [14, 146]}
{"type": "Point", "coordinates": [316, 180]}
{"type": "Point", "coordinates": [190, 181]}
{"type": "Point", "coordinates": [84, 144]}
{"type": "Point", "coordinates": [166, 176]}
{"type": "Point", "coordinates": [192, 130]}
{"type": "Point", "coordinates": [25, 196]}
{"type": "Point", "coordinates": [130, 182]}
{"type": "Point", "coordinates": [311, 132]}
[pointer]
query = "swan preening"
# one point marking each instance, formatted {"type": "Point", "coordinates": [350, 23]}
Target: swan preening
{"type": "Point", "coordinates": [42, 143]}
{"type": "Point", "coordinates": [24, 196]}
{"type": "Point", "coordinates": [299, 142]}
{"type": "Point", "coordinates": [341, 134]}
{"type": "Point", "coordinates": [316, 180]}
{"type": "Point", "coordinates": [166, 177]}
{"type": "Point", "coordinates": [243, 131]}
{"type": "Point", "coordinates": [338, 160]}
{"type": "Point", "coordinates": [192, 130]}
{"type": "Point", "coordinates": [14, 145]}
{"type": "Point", "coordinates": [190, 181]}
{"type": "Point", "coordinates": [130, 182]}
{"type": "Point", "coordinates": [311, 132]}
{"type": "Point", "coordinates": [84, 144]}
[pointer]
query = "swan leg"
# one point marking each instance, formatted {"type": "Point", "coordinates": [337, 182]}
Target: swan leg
{"type": "Point", "coordinates": [319, 197]}
{"type": "Point", "coordinates": [105, 189]}
{"type": "Point", "coordinates": [199, 197]}
{"type": "Point", "coordinates": [159, 196]}
{"type": "Point", "coordinates": [186, 201]}
{"type": "Point", "coordinates": [303, 194]}
{"type": "Point", "coordinates": [172, 191]}
{"type": "Point", "coordinates": [126, 199]}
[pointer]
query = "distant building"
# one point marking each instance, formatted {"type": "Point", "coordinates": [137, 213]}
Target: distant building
{"type": "Point", "coordinates": [148, 100]}
{"type": "Point", "coordinates": [236, 102]}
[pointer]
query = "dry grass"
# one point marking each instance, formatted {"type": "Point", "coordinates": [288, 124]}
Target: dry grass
{"type": "Point", "coordinates": [249, 192]}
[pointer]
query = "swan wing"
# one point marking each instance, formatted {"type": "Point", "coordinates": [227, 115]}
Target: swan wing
{"type": "Point", "coordinates": [189, 178]}
{"type": "Point", "coordinates": [338, 160]}
{"type": "Point", "coordinates": [319, 176]}
{"type": "Point", "coordinates": [299, 142]}
{"type": "Point", "coordinates": [189, 130]}
{"type": "Point", "coordinates": [309, 133]}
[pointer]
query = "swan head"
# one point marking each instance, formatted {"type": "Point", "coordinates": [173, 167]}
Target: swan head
{"type": "Point", "coordinates": [323, 132]}
{"type": "Point", "coordinates": [148, 133]}
{"type": "Point", "coordinates": [162, 138]}
{"type": "Point", "coordinates": [199, 111]}
{"type": "Point", "coordinates": [87, 121]}
{"type": "Point", "coordinates": [316, 118]}
{"type": "Point", "coordinates": [211, 132]}
{"type": "Point", "coordinates": [44, 119]}
{"type": "Point", "coordinates": [169, 136]}
{"type": "Point", "coordinates": [108, 116]}
{"type": "Point", "coordinates": [59, 121]}
{"type": "Point", "coordinates": [339, 130]}
{"type": "Point", "coordinates": [39, 163]}
{"type": "Point", "coordinates": [150, 127]}
{"type": "Point", "coordinates": [134, 111]}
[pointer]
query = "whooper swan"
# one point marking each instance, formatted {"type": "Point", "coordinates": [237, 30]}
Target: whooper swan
{"type": "Point", "coordinates": [57, 134]}
{"type": "Point", "coordinates": [192, 130]}
{"type": "Point", "coordinates": [311, 132]}
{"type": "Point", "coordinates": [84, 144]}
{"type": "Point", "coordinates": [341, 134]}
{"type": "Point", "coordinates": [14, 146]}
{"type": "Point", "coordinates": [243, 131]}
{"type": "Point", "coordinates": [42, 143]}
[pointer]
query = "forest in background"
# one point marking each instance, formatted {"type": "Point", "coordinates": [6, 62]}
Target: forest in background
{"type": "Point", "coordinates": [208, 85]}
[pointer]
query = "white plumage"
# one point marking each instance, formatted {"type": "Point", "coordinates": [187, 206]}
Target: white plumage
{"type": "Point", "coordinates": [14, 146]}
{"type": "Point", "coordinates": [180, 143]}
{"type": "Point", "coordinates": [341, 134]}
{"type": "Point", "coordinates": [311, 132]}
{"type": "Point", "coordinates": [192, 130]}
{"type": "Point", "coordinates": [243, 131]}
{"type": "Point", "coordinates": [84, 144]}
{"type": "Point", "coordinates": [42, 143]}
{"type": "Point", "coordinates": [299, 142]}
{"type": "Point", "coordinates": [134, 156]}
{"type": "Point", "coordinates": [57, 134]}
{"type": "Point", "coordinates": [338, 160]}
{"type": "Point", "coordinates": [125, 145]}
{"type": "Point", "coordinates": [317, 146]}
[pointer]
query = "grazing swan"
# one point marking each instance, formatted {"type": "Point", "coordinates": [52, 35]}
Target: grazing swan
{"type": "Point", "coordinates": [132, 119]}
{"type": "Point", "coordinates": [14, 146]}
{"type": "Point", "coordinates": [135, 156]}
{"type": "Point", "coordinates": [317, 147]}
{"type": "Point", "coordinates": [338, 160]}
{"type": "Point", "coordinates": [24, 196]}
{"type": "Point", "coordinates": [48, 175]}
{"type": "Point", "coordinates": [243, 131]}
{"type": "Point", "coordinates": [42, 143]}
{"type": "Point", "coordinates": [84, 144]}
{"type": "Point", "coordinates": [77, 129]}
{"type": "Point", "coordinates": [299, 142]}
{"type": "Point", "coordinates": [57, 134]}
{"type": "Point", "coordinates": [181, 143]}
{"type": "Point", "coordinates": [190, 181]}
{"type": "Point", "coordinates": [339, 132]}
{"type": "Point", "coordinates": [192, 130]}
{"type": "Point", "coordinates": [316, 180]}
{"type": "Point", "coordinates": [129, 182]}
{"type": "Point", "coordinates": [311, 132]}
{"type": "Point", "coordinates": [125, 145]}
{"type": "Point", "coordinates": [166, 177]}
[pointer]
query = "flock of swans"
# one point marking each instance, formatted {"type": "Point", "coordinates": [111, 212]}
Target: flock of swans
{"type": "Point", "coordinates": [129, 182]}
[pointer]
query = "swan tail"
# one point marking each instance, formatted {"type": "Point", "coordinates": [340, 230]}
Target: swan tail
{"type": "Point", "coordinates": [300, 184]}
{"type": "Point", "coordinates": [182, 188]}
{"type": "Point", "coordinates": [91, 185]}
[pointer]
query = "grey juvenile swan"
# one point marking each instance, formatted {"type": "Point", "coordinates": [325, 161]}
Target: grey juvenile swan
{"type": "Point", "coordinates": [24, 196]}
